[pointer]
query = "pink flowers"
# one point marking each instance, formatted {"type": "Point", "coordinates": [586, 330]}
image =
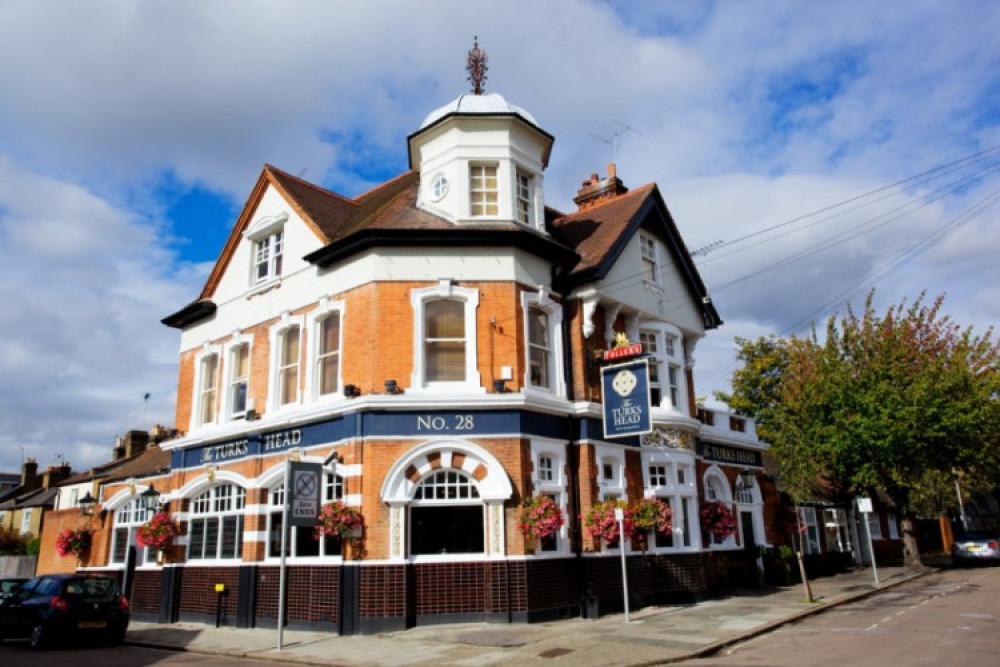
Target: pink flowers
{"type": "Point", "coordinates": [338, 520]}
{"type": "Point", "coordinates": [540, 518]}
{"type": "Point", "coordinates": [640, 517]}
{"type": "Point", "coordinates": [717, 520]}
{"type": "Point", "coordinates": [159, 532]}
{"type": "Point", "coordinates": [76, 542]}
{"type": "Point", "coordinates": [600, 521]}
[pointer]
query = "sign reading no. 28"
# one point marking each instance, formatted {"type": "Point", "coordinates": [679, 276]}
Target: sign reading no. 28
{"type": "Point", "coordinates": [446, 422]}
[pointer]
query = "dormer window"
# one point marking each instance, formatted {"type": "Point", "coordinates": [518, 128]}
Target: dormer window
{"type": "Point", "coordinates": [268, 238]}
{"type": "Point", "coordinates": [267, 257]}
{"type": "Point", "coordinates": [523, 197]}
{"type": "Point", "coordinates": [483, 196]}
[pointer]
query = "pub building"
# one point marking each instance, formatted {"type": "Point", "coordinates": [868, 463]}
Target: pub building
{"type": "Point", "coordinates": [436, 344]}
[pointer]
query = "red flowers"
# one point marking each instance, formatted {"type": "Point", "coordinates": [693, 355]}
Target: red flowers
{"type": "Point", "coordinates": [338, 520]}
{"type": "Point", "coordinates": [159, 532]}
{"type": "Point", "coordinates": [717, 520]}
{"type": "Point", "coordinates": [76, 542]}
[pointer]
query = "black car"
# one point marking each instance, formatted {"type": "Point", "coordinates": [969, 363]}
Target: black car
{"type": "Point", "coordinates": [64, 607]}
{"type": "Point", "coordinates": [9, 584]}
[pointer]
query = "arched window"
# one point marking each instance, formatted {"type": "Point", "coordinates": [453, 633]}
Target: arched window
{"type": "Point", "coordinates": [215, 529]}
{"type": "Point", "coordinates": [750, 513]}
{"type": "Point", "coordinates": [128, 518]}
{"type": "Point", "coordinates": [302, 541]}
{"type": "Point", "coordinates": [446, 515]}
{"type": "Point", "coordinates": [717, 488]}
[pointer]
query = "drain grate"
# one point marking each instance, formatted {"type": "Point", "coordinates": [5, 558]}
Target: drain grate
{"type": "Point", "coordinates": [555, 652]}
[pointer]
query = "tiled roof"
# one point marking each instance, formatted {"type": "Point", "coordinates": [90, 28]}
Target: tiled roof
{"type": "Point", "coordinates": [152, 461]}
{"type": "Point", "coordinates": [597, 229]}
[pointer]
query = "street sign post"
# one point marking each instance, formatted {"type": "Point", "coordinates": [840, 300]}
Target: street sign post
{"type": "Point", "coordinates": [303, 491]}
{"type": "Point", "coordinates": [865, 507]}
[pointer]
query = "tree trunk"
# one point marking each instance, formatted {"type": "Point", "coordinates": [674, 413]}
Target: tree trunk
{"type": "Point", "coordinates": [911, 550]}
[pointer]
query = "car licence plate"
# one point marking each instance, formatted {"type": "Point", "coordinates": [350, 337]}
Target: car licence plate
{"type": "Point", "coordinates": [92, 624]}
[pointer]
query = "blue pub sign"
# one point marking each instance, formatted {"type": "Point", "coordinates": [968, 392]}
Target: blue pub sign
{"type": "Point", "coordinates": [626, 399]}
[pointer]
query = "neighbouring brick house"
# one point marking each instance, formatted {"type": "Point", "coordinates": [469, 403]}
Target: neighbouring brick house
{"type": "Point", "coordinates": [435, 343]}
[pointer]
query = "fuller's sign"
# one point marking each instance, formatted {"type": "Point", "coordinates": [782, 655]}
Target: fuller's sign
{"type": "Point", "coordinates": [626, 399]}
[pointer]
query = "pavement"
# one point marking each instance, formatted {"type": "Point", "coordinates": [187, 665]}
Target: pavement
{"type": "Point", "coordinates": [652, 636]}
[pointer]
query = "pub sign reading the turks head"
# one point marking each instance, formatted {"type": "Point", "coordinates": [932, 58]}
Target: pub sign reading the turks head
{"type": "Point", "coordinates": [626, 399]}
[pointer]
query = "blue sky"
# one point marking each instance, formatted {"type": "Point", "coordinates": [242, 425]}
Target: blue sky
{"type": "Point", "coordinates": [132, 133]}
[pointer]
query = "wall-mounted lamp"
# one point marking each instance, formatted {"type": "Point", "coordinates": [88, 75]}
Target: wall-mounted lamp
{"type": "Point", "coordinates": [747, 478]}
{"type": "Point", "coordinates": [149, 498]}
{"type": "Point", "coordinates": [87, 504]}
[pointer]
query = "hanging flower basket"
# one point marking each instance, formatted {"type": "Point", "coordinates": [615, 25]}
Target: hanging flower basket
{"type": "Point", "coordinates": [600, 521]}
{"type": "Point", "coordinates": [651, 514]}
{"type": "Point", "coordinates": [540, 518]}
{"type": "Point", "coordinates": [338, 520]}
{"type": "Point", "coordinates": [158, 533]}
{"type": "Point", "coordinates": [73, 542]}
{"type": "Point", "coordinates": [717, 520]}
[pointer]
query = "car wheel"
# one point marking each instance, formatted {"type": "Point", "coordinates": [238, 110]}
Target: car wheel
{"type": "Point", "coordinates": [39, 638]}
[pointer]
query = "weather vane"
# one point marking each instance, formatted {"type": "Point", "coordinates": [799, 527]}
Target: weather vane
{"type": "Point", "coordinates": [476, 64]}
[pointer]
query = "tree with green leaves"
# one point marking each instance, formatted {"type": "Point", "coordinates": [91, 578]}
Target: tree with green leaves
{"type": "Point", "coordinates": [888, 402]}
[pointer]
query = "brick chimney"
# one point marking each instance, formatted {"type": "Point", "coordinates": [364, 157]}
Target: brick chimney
{"type": "Point", "coordinates": [595, 190]}
{"type": "Point", "coordinates": [135, 442]}
{"type": "Point", "coordinates": [55, 474]}
{"type": "Point", "coordinates": [29, 475]}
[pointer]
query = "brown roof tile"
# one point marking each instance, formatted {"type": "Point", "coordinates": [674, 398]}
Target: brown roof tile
{"type": "Point", "coordinates": [596, 230]}
{"type": "Point", "coordinates": [150, 462]}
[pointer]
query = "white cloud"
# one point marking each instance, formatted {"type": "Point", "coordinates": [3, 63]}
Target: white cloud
{"type": "Point", "coordinates": [746, 114]}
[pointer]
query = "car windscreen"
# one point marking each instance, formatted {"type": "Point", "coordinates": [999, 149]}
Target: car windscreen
{"type": "Point", "coordinates": [91, 588]}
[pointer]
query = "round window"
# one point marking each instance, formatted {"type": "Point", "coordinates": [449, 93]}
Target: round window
{"type": "Point", "coordinates": [439, 187]}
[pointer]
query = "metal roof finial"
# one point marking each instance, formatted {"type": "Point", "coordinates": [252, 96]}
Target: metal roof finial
{"type": "Point", "coordinates": [476, 64]}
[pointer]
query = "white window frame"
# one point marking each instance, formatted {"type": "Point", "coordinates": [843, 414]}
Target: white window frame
{"type": "Point", "coordinates": [750, 499]}
{"type": "Point", "coordinates": [268, 230]}
{"type": "Point", "coordinates": [667, 351]}
{"type": "Point", "coordinates": [810, 537]}
{"type": "Point", "coordinates": [649, 252]}
{"type": "Point", "coordinates": [680, 491]}
{"type": "Point", "coordinates": [477, 172]}
{"type": "Point", "coordinates": [418, 299]}
{"type": "Point", "coordinates": [836, 529]}
{"type": "Point", "coordinates": [207, 351]}
{"type": "Point", "coordinates": [227, 393]}
{"type": "Point", "coordinates": [277, 339]}
{"type": "Point", "coordinates": [326, 308]}
{"type": "Point", "coordinates": [717, 487]}
{"type": "Point", "coordinates": [524, 190]}
{"type": "Point", "coordinates": [129, 517]}
{"type": "Point", "coordinates": [554, 486]}
{"type": "Point", "coordinates": [334, 487]}
{"type": "Point", "coordinates": [467, 481]}
{"type": "Point", "coordinates": [215, 504]}
{"type": "Point", "coordinates": [553, 311]}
